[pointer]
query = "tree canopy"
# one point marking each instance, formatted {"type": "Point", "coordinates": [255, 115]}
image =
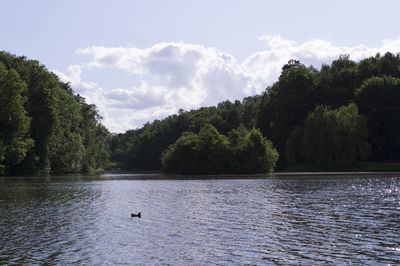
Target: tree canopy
{"type": "Point", "coordinates": [379, 99]}
{"type": "Point", "coordinates": [330, 138]}
{"type": "Point", "coordinates": [336, 116]}
{"type": "Point", "coordinates": [44, 126]}
{"type": "Point", "coordinates": [366, 91]}
{"type": "Point", "coordinates": [209, 152]}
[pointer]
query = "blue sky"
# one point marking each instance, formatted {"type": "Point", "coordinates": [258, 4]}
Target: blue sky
{"type": "Point", "coordinates": [142, 60]}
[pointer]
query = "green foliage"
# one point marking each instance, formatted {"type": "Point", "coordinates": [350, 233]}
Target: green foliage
{"type": "Point", "coordinates": [14, 121]}
{"type": "Point", "coordinates": [181, 156]}
{"type": "Point", "coordinates": [142, 148]}
{"type": "Point", "coordinates": [299, 90]}
{"type": "Point", "coordinates": [308, 114]}
{"type": "Point", "coordinates": [69, 154]}
{"type": "Point", "coordinates": [254, 154]}
{"type": "Point", "coordinates": [330, 138]}
{"type": "Point", "coordinates": [95, 137]}
{"type": "Point", "coordinates": [44, 127]}
{"type": "Point", "coordinates": [212, 153]}
{"type": "Point", "coordinates": [65, 146]}
{"type": "Point", "coordinates": [336, 84]}
{"type": "Point", "coordinates": [379, 100]}
{"type": "Point", "coordinates": [280, 114]}
{"type": "Point", "coordinates": [286, 103]}
{"type": "Point", "coordinates": [295, 148]}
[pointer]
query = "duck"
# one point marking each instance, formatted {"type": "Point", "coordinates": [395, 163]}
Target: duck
{"type": "Point", "coordinates": [136, 215]}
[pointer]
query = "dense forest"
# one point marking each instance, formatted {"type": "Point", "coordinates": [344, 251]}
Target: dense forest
{"type": "Point", "coordinates": [44, 127]}
{"type": "Point", "coordinates": [330, 118]}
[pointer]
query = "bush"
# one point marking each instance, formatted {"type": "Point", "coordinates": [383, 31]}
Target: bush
{"type": "Point", "coordinates": [212, 153]}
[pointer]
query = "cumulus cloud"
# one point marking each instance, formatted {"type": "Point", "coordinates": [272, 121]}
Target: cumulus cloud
{"type": "Point", "coordinates": [139, 98]}
{"type": "Point", "coordinates": [179, 75]}
{"type": "Point", "coordinates": [74, 78]}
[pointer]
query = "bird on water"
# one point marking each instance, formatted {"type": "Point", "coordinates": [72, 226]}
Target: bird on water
{"type": "Point", "coordinates": [139, 215]}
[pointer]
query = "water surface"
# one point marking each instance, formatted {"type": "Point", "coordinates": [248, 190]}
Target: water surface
{"type": "Point", "coordinates": [282, 220]}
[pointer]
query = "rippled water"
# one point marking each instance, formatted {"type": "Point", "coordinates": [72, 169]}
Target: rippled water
{"type": "Point", "coordinates": [281, 220]}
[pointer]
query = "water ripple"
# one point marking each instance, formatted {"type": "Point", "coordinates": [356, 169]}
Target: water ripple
{"type": "Point", "coordinates": [224, 222]}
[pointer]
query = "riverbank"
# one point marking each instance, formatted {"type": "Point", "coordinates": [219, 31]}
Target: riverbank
{"type": "Point", "coordinates": [362, 166]}
{"type": "Point", "coordinates": [299, 171]}
{"type": "Point", "coordinates": [283, 174]}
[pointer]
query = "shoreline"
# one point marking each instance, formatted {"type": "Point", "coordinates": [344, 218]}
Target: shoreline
{"type": "Point", "coordinates": [161, 176]}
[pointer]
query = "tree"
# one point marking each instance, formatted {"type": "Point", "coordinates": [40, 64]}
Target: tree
{"type": "Point", "coordinates": [378, 99]}
{"type": "Point", "coordinates": [94, 137]}
{"type": "Point", "coordinates": [293, 63]}
{"type": "Point", "coordinates": [181, 156]}
{"type": "Point", "coordinates": [330, 138]}
{"type": "Point", "coordinates": [336, 84]}
{"type": "Point", "coordinates": [286, 104]}
{"type": "Point", "coordinates": [256, 154]}
{"type": "Point", "coordinates": [281, 110]}
{"type": "Point", "coordinates": [294, 148]}
{"type": "Point", "coordinates": [66, 149]}
{"type": "Point", "coordinates": [41, 106]}
{"type": "Point", "coordinates": [14, 121]}
{"type": "Point", "coordinates": [212, 153]}
{"type": "Point", "coordinates": [44, 127]}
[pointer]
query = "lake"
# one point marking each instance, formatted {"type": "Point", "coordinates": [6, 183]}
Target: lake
{"type": "Point", "coordinates": [281, 219]}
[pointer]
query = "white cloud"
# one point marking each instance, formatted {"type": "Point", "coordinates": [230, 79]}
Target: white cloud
{"type": "Point", "coordinates": [74, 78]}
{"type": "Point", "coordinates": [181, 75]}
{"type": "Point", "coordinates": [140, 98]}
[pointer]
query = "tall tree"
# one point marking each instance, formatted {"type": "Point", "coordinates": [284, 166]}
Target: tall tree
{"type": "Point", "coordinates": [378, 98]}
{"type": "Point", "coordinates": [336, 84]}
{"type": "Point", "coordinates": [44, 127]}
{"type": "Point", "coordinates": [41, 106]}
{"type": "Point", "coordinates": [66, 144]}
{"type": "Point", "coordinates": [330, 138]}
{"type": "Point", "coordinates": [95, 137]}
{"type": "Point", "coordinates": [286, 104]}
{"type": "Point", "coordinates": [14, 121]}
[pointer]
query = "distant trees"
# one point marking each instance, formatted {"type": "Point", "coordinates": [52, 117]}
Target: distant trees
{"type": "Point", "coordinates": [252, 153]}
{"type": "Point", "coordinates": [44, 127]}
{"type": "Point", "coordinates": [369, 84]}
{"type": "Point", "coordinates": [286, 103]}
{"type": "Point", "coordinates": [379, 99]}
{"type": "Point", "coordinates": [327, 118]}
{"type": "Point", "coordinates": [209, 152]}
{"type": "Point", "coordinates": [336, 84]}
{"type": "Point", "coordinates": [332, 117]}
{"type": "Point", "coordinates": [142, 148]}
{"type": "Point", "coordinates": [330, 138]}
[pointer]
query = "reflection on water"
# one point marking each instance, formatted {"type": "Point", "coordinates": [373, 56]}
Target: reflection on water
{"type": "Point", "coordinates": [232, 221]}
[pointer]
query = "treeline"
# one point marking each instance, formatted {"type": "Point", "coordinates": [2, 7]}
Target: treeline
{"type": "Point", "coordinates": [44, 127]}
{"type": "Point", "coordinates": [334, 117]}
{"type": "Point", "coordinates": [142, 148]}
{"type": "Point", "coordinates": [330, 118]}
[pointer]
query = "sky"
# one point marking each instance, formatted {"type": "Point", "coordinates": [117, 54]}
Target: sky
{"type": "Point", "coordinates": [143, 60]}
